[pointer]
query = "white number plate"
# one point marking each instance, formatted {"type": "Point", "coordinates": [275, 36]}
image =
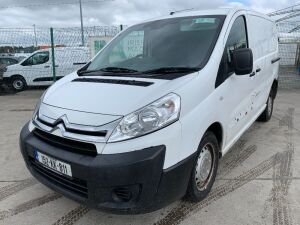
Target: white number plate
{"type": "Point", "coordinates": [53, 164]}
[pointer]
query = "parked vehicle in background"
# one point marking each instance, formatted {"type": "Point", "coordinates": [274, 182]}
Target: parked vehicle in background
{"type": "Point", "coordinates": [4, 62]}
{"type": "Point", "coordinates": [37, 69]}
{"type": "Point", "coordinates": [146, 121]}
{"type": "Point", "coordinates": [8, 60]}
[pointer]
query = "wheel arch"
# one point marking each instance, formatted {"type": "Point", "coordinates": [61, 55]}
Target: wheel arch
{"type": "Point", "coordinates": [17, 75]}
{"type": "Point", "coordinates": [9, 81]}
{"type": "Point", "coordinates": [20, 76]}
{"type": "Point", "coordinates": [217, 129]}
{"type": "Point", "coordinates": [274, 88]}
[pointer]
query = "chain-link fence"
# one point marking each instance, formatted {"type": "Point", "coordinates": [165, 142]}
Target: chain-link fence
{"type": "Point", "coordinates": [289, 50]}
{"type": "Point", "coordinates": [46, 55]}
{"type": "Point", "coordinates": [72, 48]}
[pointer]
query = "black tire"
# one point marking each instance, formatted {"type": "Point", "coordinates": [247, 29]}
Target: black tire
{"type": "Point", "coordinates": [267, 113]}
{"type": "Point", "coordinates": [18, 83]}
{"type": "Point", "coordinates": [197, 192]}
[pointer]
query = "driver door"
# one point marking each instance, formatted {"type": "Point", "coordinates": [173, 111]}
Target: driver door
{"type": "Point", "coordinates": [236, 90]}
{"type": "Point", "coordinates": [37, 69]}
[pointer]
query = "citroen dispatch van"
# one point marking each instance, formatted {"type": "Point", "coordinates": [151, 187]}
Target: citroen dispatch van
{"type": "Point", "coordinates": [37, 69]}
{"type": "Point", "coordinates": [146, 121]}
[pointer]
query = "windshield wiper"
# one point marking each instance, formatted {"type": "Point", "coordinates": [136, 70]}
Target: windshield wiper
{"type": "Point", "coordinates": [167, 70]}
{"type": "Point", "coordinates": [110, 70]}
{"type": "Point", "coordinates": [118, 70]}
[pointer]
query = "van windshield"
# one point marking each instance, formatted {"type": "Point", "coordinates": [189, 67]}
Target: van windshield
{"type": "Point", "coordinates": [183, 43]}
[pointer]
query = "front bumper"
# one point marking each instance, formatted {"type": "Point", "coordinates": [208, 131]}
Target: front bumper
{"type": "Point", "coordinates": [132, 182]}
{"type": "Point", "coordinates": [4, 80]}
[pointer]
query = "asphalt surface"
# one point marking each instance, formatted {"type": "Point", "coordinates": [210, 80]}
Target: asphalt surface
{"type": "Point", "coordinates": [258, 180]}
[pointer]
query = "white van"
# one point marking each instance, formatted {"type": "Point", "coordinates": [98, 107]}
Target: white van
{"type": "Point", "coordinates": [147, 120]}
{"type": "Point", "coordinates": [37, 69]}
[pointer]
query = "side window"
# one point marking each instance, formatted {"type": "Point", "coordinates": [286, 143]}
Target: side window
{"type": "Point", "coordinates": [6, 61]}
{"type": "Point", "coordinates": [237, 39]}
{"type": "Point", "coordinates": [3, 61]}
{"type": "Point", "coordinates": [38, 58]}
{"type": "Point", "coordinates": [13, 61]}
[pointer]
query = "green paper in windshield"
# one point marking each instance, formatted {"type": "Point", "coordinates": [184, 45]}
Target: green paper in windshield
{"type": "Point", "coordinates": [204, 20]}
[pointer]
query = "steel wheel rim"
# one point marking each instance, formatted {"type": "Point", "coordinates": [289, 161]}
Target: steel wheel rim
{"type": "Point", "coordinates": [18, 84]}
{"type": "Point", "coordinates": [204, 167]}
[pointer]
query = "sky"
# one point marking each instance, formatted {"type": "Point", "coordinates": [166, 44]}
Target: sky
{"type": "Point", "coordinates": [52, 13]}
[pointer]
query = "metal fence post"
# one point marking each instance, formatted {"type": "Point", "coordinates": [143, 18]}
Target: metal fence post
{"type": "Point", "coordinates": [53, 56]}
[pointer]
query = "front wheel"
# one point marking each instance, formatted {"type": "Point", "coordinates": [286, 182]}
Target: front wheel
{"type": "Point", "coordinates": [18, 83]}
{"type": "Point", "coordinates": [205, 168]}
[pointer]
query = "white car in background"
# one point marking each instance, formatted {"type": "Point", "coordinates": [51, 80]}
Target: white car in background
{"type": "Point", "coordinates": [37, 69]}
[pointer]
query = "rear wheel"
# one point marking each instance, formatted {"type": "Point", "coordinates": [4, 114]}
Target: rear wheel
{"type": "Point", "coordinates": [18, 83]}
{"type": "Point", "coordinates": [267, 113]}
{"type": "Point", "coordinates": [205, 168]}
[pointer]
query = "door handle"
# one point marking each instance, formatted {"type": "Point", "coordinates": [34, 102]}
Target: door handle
{"type": "Point", "coordinates": [46, 66]}
{"type": "Point", "coordinates": [258, 70]}
{"type": "Point", "coordinates": [275, 60]}
{"type": "Point", "coordinates": [252, 74]}
{"type": "Point", "coordinates": [56, 65]}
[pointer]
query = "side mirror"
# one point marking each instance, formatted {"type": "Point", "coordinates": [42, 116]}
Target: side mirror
{"type": "Point", "coordinates": [242, 60]}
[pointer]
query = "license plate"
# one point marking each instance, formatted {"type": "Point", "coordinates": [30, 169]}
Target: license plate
{"type": "Point", "coordinates": [53, 164]}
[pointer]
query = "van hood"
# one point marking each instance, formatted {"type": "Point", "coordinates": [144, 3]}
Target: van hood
{"type": "Point", "coordinates": [109, 95]}
{"type": "Point", "coordinates": [14, 66]}
{"type": "Point", "coordinates": [11, 69]}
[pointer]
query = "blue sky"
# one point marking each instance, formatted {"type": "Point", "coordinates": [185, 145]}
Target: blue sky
{"type": "Point", "coordinates": [245, 2]}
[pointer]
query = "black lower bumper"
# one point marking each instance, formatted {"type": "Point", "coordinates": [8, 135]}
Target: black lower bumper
{"type": "Point", "coordinates": [133, 182]}
{"type": "Point", "coordinates": [5, 80]}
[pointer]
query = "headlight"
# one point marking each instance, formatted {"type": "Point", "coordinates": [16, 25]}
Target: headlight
{"type": "Point", "coordinates": [152, 117]}
{"type": "Point", "coordinates": [38, 104]}
{"type": "Point", "coordinates": [3, 69]}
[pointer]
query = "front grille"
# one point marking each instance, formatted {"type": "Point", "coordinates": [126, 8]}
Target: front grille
{"type": "Point", "coordinates": [75, 185]}
{"type": "Point", "coordinates": [101, 133]}
{"type": "Point", "coordinates": [66, 144]}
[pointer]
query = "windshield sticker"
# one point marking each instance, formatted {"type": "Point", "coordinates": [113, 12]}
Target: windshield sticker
{"type": "Point", "coordinates": [204, 20]}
